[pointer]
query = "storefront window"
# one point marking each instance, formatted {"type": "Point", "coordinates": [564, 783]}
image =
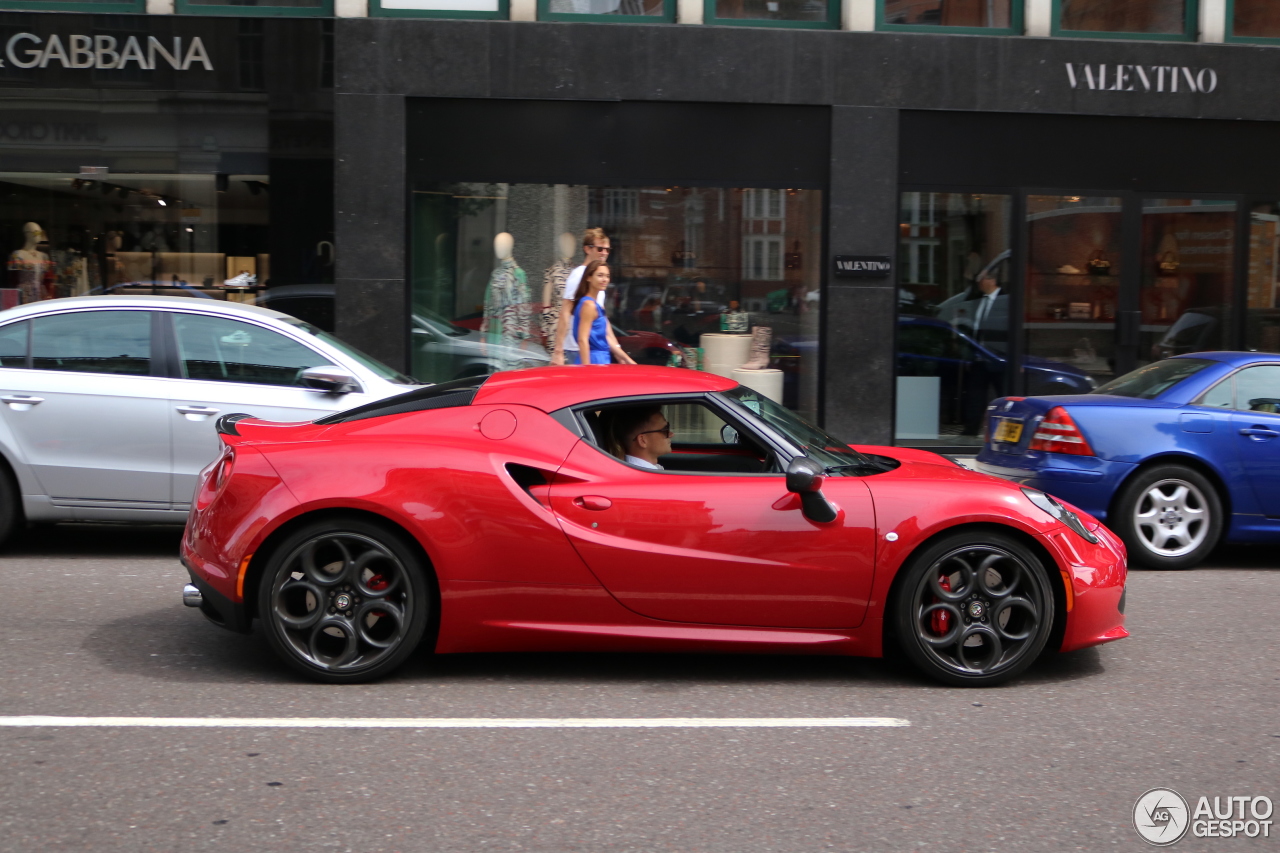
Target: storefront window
{"type": "Point", "coordinates": [1071, 300]}
{"type": "Point", "coordinates": [1152, 17]}
{"type": "Point", "coordinates": [255, 7]}
{"type": "Point", "coordinates": [1262, 310]}
{"type": "Point", "coordinates": [489, 262]}
{"type": "Point", "coordinates": [811, 13]}
{"type": "Point", "coordinates": [997, 14]}
{"type": "Point", "coordinates": [953, 314]}
{"type": "Point", "coordinates": [1188, 246]}
{"type": "Point", "coordinates": [1255, 19]}
{"type": "Point", "coordinates": [649, 11]}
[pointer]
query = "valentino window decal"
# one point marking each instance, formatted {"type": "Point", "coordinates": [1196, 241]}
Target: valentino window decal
{"type": "Point", "coordinates": [1118, 77]}
{"type": "Point", "coordinates": [27, 50]}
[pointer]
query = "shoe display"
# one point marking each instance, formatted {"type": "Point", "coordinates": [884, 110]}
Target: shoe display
{"type": "Point", "coordinates": [761, 341]}
{"type": "Point", "coordinates": [244, 279]}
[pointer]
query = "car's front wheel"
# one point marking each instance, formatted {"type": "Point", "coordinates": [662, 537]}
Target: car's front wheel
{"type": "Point", "coordinates": [974, 609]}
{"type": "Point", "coordinates": [1169, 516]}
{"type": "Point", "coordinates": [345, 600]}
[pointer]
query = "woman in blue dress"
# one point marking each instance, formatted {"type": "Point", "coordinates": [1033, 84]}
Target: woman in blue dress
{"type": "Point", "coordinates": [590, 326]}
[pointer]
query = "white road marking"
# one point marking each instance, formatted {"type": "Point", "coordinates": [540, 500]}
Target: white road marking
{"type": "Point", "coordinates": [457, 722]}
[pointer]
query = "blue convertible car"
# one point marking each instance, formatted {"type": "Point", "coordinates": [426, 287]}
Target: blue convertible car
{"type": "Point", "coordinates": [1175, 457]}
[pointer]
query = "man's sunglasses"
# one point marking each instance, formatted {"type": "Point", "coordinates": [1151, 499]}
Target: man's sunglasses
{"type": "Point", "coordinates": [666, 431]}
{"type": "Point", "coordinates": [598, 248]}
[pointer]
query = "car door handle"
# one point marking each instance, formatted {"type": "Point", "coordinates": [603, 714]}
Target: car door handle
{"type": "Point", "coordinates": [22, 400]}
{"type": "Point", "coordinates": [593, 502]}
{"type": "Point", "coordinates": [1260, 433]}
{"type": "Point", "coordinates": [197, 410]}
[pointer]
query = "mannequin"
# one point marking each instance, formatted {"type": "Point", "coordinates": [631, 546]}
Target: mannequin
{"type": "Point", "coordinates": [506, 300]}
{"type": "Point", "coordinates": [553, 284]}
{"type": "Point", "coordinates": [31, 270]}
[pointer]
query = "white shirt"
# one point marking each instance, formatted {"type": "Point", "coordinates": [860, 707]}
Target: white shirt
{"type": "Point", "coordinates": [985, 305]}
{"type": "Point", "coordinates": [571, 288]}
{"type": "Point", "coordinates": [643, 463]}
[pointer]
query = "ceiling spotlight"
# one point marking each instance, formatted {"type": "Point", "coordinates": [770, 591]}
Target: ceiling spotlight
{"type": "Point", "coordinates": [161, 202]}
{"type": "Point", "coordinates": [190, 230]}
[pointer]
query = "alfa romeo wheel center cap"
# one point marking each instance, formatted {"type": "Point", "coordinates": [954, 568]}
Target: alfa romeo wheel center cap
{"type": "Point", "coordinates": [343, 601]}
{"type": "Point", "coordinates": [976, 609]}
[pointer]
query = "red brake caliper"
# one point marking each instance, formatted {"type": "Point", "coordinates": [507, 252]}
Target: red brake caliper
{"type": "Point", "coordinates": [377, 583]}
{"type": "Point", "coordinates": [940, 620]}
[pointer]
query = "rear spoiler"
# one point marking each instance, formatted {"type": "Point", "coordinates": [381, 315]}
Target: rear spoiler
{"type": "Point", "coordinates": [226, 424]}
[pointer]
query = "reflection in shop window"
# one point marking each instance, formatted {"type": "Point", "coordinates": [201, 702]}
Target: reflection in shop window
{"type": "Point", "coordinates": [1256, 19]}
{"type": "Point", "coordinates": [1163, 17]}
{"type": "Point", "coordinates": [949, 13]}
{"type": "Point", "coordinates": [1262, 311]}
{"type": "Point", "coordinates": [953, 315]}
{"type": "Point", "coordinates": [799, 11]}
{"type": "Point", "coordinates": [686, 263]}
{"type": "Point", "coordinates": [645, 8]}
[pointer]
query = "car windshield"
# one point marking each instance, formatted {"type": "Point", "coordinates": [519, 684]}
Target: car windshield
{"type": "Point", "coordinates": [826, 450]}
{"type": "Point", "coordinates": [1149, 382]}
{"type": "Point", "coordinates": [348, 350]}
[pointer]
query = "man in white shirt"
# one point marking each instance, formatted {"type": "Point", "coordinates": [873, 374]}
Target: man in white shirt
{"type": "Point", "coordinates": [564, 350]}
{"type": "Point", "coordinates": [640, 434]}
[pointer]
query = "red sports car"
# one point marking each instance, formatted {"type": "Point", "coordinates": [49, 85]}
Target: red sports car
{"type": "Point", "coordinates": [500, 514]}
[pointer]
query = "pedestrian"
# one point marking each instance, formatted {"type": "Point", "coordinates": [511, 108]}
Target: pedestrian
{"type": "Point", "coordinates": [564, 349]}
{"type": "Point", "coordinates": [590, 325]}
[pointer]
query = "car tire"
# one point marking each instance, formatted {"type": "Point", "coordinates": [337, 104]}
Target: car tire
{"type": "Point", "coordinates": [345, 600]}
{"type": "Point", "coordinates": [974, 609]}
{"type": "Point", "coordinates": [1169, 516]}
{"type": "Point", "coordinates": [10, 507]}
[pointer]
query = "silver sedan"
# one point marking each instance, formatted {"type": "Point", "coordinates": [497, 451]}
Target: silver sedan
{"type": "Point", "coordinates": [109, 402]}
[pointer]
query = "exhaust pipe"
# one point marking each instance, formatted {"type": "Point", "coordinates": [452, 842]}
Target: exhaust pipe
{"type": "Point", "coordinates": [191, 595]}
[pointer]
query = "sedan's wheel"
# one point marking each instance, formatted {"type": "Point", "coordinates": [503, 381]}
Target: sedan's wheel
{"type": "Point", "coordinates": [10, 506]}
{"type": "Point", "coordinates": [344, 600]}
{"type": "Point", "coordinates": [1169, 517]}
{"type": "Point", "coordinates": [974, 609]}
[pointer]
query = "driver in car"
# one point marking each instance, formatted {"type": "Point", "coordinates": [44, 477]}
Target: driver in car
{"type": "Point", "coordinates": [640, 435]}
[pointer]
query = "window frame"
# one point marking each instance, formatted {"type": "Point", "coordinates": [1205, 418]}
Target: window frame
{"type": "Point", "coordinates": [832, 22]}
{"type": "Point", "coordinates": [1016, 26]}
{"type": "Point", "coordinates": [1231, 37]}
{"type": "Point", "coordinates": [186, 7]}
{"type": "Point", "coordinates": [503, 14]}
{"type": "Point", "coordinates": [668, 15]}
{"type": "Point", "coordinates": [128, 7]}
{"type": "Point", "coordinates": [1190, 27]}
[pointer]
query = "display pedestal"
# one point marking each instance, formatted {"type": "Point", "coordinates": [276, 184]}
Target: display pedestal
{"type": "Point", "coordinates": [767, 382]}
{"type": "Point", "coordinates": [723, 354]}
{"type": "Point", "coordinates": [917, 408]}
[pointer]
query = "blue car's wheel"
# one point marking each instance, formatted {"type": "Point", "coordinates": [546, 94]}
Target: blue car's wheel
{"type": "Point", "coordinates": [1169, 516]}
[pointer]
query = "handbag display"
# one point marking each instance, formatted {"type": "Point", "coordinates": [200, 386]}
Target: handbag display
{"type": "Point", "coordinates": [1098, 263]}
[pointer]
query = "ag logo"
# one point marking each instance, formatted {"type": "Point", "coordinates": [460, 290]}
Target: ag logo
{"type": "Point", "coordinates": [1161, 816]}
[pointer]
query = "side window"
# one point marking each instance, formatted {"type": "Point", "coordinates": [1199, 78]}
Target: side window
{"type": "Point", "coordinates": [13, 344]}
{"type": "Point", "coordinates": [225, 350]}
{"type": "Point", "coordinates": [93, 342]}
{"type": "Point", "coordinates": [1258, 389]}
{"type": "Point", "coordinates": [700, 441]}
{"type": "Point", "coordinates": [1220, 396]}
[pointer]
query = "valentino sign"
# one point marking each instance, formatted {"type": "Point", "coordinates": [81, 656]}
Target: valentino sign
{"type": "Point", "coordinates": [27, 50]}
{"type": "Point", "coordinates": [1141, 78]}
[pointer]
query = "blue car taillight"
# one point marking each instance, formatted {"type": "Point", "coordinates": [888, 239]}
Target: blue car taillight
{"type": "Point", "coordinates": [1058, 433]}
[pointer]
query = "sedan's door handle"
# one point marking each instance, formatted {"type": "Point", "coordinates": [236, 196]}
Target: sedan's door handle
{"type": "Point", "coordinates": [1260, 433]}
{"type": "Point", "coordinates": [593, 502]}
{"type": "Point", "coordinates": [197, 410]}
{"type": "Point", "coordinates": [22, 399]}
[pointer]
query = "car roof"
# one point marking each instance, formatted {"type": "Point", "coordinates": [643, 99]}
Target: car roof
{"type": "Point", "coordinates": [552, 388]}
{"type": "Point", "coordinates": [1231, 357]}
{"type": "Point", "coordinates": [204, 306]}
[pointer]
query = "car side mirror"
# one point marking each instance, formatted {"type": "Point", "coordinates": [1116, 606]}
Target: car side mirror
{"type": "Point", "coordinates": [329, 379]}
{"type": "Point", "coordinates": [728, 435]}
{"type": "Point", "coordinates": [805, 477]}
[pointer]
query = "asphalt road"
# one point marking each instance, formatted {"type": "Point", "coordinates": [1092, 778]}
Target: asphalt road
{"type": "Point", "coordinates": [93, 626]}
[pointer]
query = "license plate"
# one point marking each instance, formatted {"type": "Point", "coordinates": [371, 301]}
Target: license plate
{"type": "Point", "coordinates": [1008, 431]}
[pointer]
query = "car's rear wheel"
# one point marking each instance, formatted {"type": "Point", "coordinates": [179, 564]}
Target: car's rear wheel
{"type": "Point", "coordinates": [1169, 516]}
{"type": "Point", "coordinates": [974, 609]}
{"type": "Point", "coordinates": [10, 506]}
{"type": "Point", "coordinates": [345, 600]}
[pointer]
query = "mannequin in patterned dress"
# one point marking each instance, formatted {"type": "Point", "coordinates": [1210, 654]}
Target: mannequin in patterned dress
{"type": "Point", "coordinates": [31, 270]}
{"type": "Point", "coordinates": [553, 285]}
{"type": "Point", "coordinates": [507, 314]}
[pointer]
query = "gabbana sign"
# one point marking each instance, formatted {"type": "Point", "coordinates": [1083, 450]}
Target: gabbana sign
{"type": "Point", "coordinates": [27, 50]}
{"type": "Point", "coordinates": [1141, 78]}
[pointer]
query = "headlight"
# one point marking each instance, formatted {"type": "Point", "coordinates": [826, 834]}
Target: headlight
{"type": "Point", "coordinates": [1060, 512]}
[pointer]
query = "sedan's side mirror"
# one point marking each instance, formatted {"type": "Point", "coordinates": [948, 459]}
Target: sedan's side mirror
{"type": "Point", "coordinates": [329, 379]}
{"type": "Point", "coordinates": [805, 477]}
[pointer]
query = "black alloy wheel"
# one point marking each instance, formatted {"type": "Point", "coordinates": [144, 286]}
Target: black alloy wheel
{"type": "Point", "coordinates": [974, 609]}
{"type": "Point", "coordinates": [10, 506]}
{"type": "Point", "coordinates": [345, 600]}
{"type": "Point", "coordinates": [1169, 516]}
